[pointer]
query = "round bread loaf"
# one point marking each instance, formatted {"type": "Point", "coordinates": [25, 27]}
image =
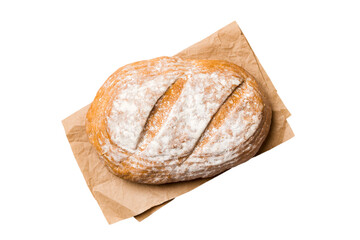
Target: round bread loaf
{"type": "Point", "coordinates": [169, 119]}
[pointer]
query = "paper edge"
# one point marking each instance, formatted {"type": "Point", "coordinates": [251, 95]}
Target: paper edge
{"type": "Point", "coordinates": [142, 216]}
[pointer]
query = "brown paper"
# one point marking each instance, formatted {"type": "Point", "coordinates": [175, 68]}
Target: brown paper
{"type": "Point", "coordinates": [120, 199]}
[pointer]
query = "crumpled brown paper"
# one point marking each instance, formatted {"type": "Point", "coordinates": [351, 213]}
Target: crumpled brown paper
{"type": "Point", "coordinates": [120, 199]}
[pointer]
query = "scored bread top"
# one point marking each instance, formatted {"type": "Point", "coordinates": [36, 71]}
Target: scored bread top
{"type": "Point", "coordinates": [169, 119]}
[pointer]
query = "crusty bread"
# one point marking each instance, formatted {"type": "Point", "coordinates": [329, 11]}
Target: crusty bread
{"type": "Point", "coordinates": [169, 119]}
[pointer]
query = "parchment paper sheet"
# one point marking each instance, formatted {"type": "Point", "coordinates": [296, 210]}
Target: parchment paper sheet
{"type": "Point", "coordinates": [120, 199]}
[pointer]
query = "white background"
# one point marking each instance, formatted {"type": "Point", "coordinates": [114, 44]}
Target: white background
{"type": "Point", "coordinates": [54, 55]}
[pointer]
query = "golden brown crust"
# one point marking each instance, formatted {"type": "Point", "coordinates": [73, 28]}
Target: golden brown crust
{"type": "Point", "coordinates": [168, 119]}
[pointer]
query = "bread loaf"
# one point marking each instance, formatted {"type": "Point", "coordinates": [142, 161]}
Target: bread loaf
{"type": "Point", "coordinates": [169, 119]}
